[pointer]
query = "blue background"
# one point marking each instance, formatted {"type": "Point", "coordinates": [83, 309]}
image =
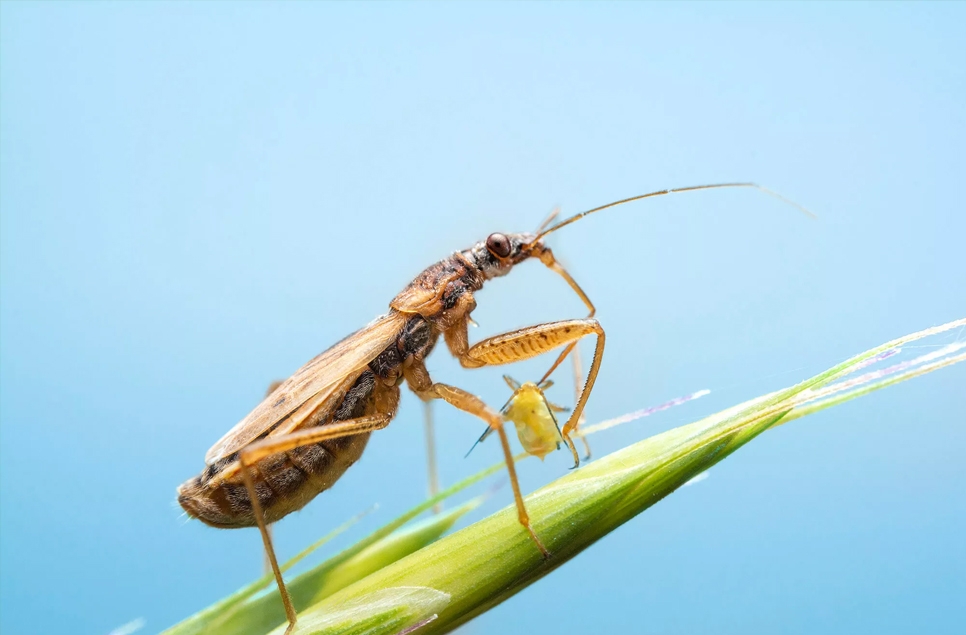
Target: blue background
{"type": "Point", "coordinates": [196, 199]}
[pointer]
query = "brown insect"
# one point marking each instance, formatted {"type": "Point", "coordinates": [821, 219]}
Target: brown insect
{"type": "Point", "coordinates": [315, 425]}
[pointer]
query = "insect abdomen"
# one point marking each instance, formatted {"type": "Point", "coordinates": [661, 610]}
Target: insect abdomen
{"type": "Point", "coordinates": [284, 482]}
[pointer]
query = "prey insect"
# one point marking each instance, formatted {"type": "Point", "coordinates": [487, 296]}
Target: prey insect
{"type": "Point", "coordinates": [304, 435]}
{"type": "Point", "coordinates": [532, 414]}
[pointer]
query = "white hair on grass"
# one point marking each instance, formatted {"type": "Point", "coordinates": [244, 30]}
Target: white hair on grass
{"type": "Point", "coordinates": [697, 479]}
{"type": "Point", "coordinates": [640, 414]}
{"type": "Point", "coordinates": [130, 627]}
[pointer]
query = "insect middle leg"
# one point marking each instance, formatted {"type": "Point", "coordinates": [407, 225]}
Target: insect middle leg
{"type": "Point", "coordinates": [529, 342]}
{"type": "Point", "coordinates": [252, 454]}
{"type": "Point", "coordinates": [420, 382]}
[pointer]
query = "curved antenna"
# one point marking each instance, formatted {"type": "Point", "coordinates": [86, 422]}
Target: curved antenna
{"type": "Point", "coordinates": [692, 188]}
{"type": "Point", "coordinates": [554, 213]}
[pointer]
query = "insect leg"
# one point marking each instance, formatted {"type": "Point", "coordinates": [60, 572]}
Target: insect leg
{"type": "Point", "coordinates": [269, 550]}
{"type": "Point", "coordinates": [419, 380]}
{"type": "Point", "coordinates": [284, 442]}
{"type": "Point", "coordinates": [522, 514]}
{"type": "Point", "coordinates": [269, 528]}
{"type": "Point", "coordinates": [273, 445]}
{"type": "Point", "coordinates": [431, 467]}
{"type": "Point", "coordinates": [546, 257]}
{"type": "Point", "coordinates": [529, 342]}
{"type": "Point", "coordinates": [578, 374]}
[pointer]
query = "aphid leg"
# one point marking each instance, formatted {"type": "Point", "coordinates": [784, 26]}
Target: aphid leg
{"type": "Point", "coordinates": [431, 465]}
{"type": "Point", "coordinates": [252, 454]}
{"type": "Point", "coordinates": [529, 342]}
{"type": "Point", "coordinates": [420, 382]}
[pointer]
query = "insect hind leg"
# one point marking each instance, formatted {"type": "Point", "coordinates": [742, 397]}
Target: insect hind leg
{"type": "Point", "coordinates": [259, 450]}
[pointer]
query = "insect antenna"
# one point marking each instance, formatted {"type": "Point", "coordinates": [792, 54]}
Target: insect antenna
{"type": "Point", "coordinates": [480, 440]}
{"type": "Point", "coordinates": [554, 213]}
{"type": "Point", "coordinates": [515, 385]}
{"type": "Point", "coordinates": [677, 190]}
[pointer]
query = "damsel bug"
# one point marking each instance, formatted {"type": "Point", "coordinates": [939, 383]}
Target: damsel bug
{"type": "Point", "coordinates": [315, 425]}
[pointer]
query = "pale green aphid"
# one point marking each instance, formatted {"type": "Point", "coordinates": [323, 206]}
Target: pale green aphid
{"type": "Point", "coordinates": [532, 415]}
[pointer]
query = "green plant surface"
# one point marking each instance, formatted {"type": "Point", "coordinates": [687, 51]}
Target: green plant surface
{"type": "Point", "coordinates": [261, 614]}
{"type": "Point", "coordinates": [243, 613]}
{"type": "Point", "coordinates": [451, 580]}
{"type": "Point", "coordinates": [214, 616]}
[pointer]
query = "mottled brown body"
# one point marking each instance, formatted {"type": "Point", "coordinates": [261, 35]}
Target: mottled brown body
{"type": "Point", "coordinates": [440, 298]}
{"type": "Point", "coordinates": [308, 431]}
{"type": "Point", "coordinates": [287, 481]}
{"type": "Point", "coordinates": [284, 454]}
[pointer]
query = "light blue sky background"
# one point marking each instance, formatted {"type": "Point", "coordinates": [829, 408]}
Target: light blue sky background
{"type": "Point", "coordinates": [196, 199]}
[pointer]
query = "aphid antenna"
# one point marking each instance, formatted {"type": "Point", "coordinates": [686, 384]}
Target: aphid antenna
{"type": "Point", "coordinates": [482, 438]}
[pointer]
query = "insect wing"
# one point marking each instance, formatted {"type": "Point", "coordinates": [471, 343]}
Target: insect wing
{"type": "Point", "coordinates": [423, 295]}
{"type": "Point", "coordinates": [315, 380]}
{"type": "Point", "coordinates": [312, 412]}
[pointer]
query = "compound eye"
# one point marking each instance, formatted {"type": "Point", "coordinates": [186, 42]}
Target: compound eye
{"type": "Point", "coordinates": [498, 245]}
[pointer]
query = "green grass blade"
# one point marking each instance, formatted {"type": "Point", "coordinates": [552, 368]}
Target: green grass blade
{"type": "Point", "coordinates": [392, 610]}
{"type": "Point", "coordinates": [203, 621]}
{"type": "Point", "coordinates": [480, 566]}
{"type": "Point", "coordinates": [375, 587]}
{"type": "Point", "coordinates": [264, 613]}
{"type": "Point", "coordinates": [212, 620]}
{"type": "Point", "coordinates": [811, 408]}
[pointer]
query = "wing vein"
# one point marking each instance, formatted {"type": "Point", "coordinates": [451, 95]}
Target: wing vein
{"type": "Point", "coordinates": [315, 381]}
